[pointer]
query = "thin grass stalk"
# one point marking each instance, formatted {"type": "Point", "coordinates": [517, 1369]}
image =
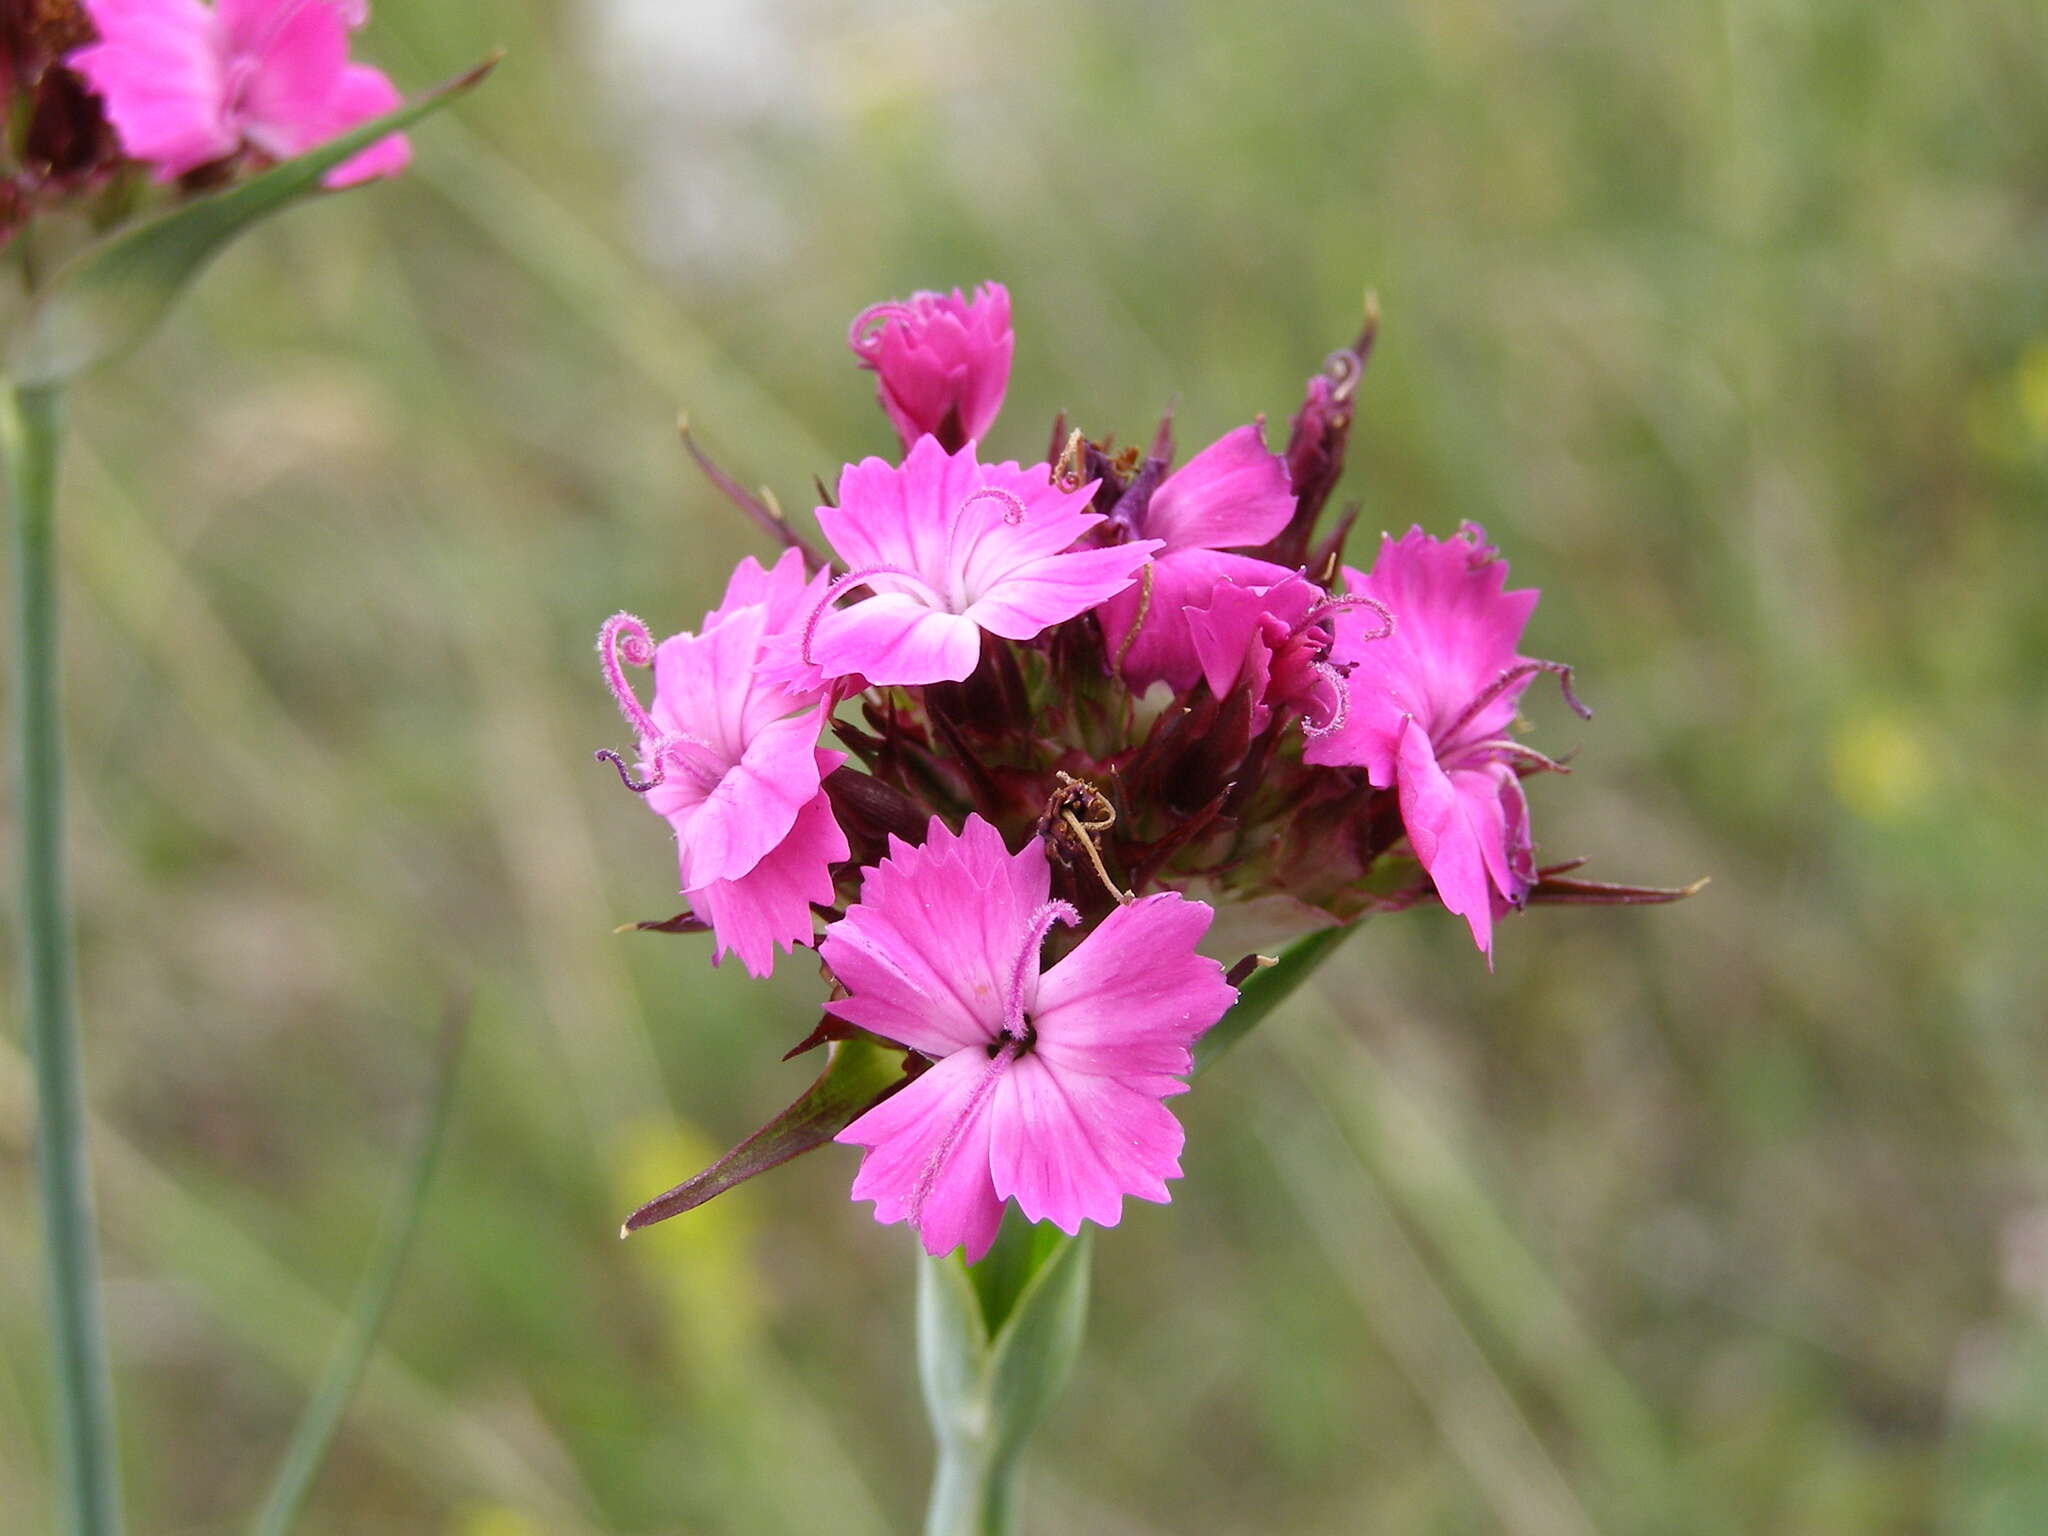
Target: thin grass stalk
{"type": "Point", "coordinates": [89, 1479]}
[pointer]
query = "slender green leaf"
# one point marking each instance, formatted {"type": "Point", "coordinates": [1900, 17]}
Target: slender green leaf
{"type": "Point", "coordinates": [986, 1394]}
{"type": "Point", "coordinates": [107, 301]}
{"type": "Point", "coordinates": [1035, 1352]}
{"type": "Point", "coordinates": [1267, 988]}
{"type": "Point", "coordinates": [859, 1072]}
{"type": "Point", "coordinates": [1020, 1250]}
{"type": "Point", "coordinates": [317, 1427]}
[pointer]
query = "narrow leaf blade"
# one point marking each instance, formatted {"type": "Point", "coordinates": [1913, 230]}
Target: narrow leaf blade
{"type": "Point", "coordinates": [859, 1073]}
{"type": "Point", "coordinates": [317, 1427]}
{"type": "Point", "coordinates": [1267, 988]}
{"type": "Point", "coordinates": [109, 299]}
{"type": "Point", "coordinates": [1035, 1352]}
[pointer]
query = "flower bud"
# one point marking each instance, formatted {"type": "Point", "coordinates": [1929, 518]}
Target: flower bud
{"type": "Point", "coordinates": [941, 362]}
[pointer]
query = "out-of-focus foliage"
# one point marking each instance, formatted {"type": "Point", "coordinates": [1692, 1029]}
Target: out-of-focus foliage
{"type": "Point", "coordinates": [1728, 322]}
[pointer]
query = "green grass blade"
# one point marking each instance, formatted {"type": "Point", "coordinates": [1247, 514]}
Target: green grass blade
{"type": "Point", "coordinates": [317, 1427]}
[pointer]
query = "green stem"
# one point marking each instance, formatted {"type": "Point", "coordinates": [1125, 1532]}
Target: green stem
{"type": "Point", "coordinates": [32, 419]}
{"type": "Point", "coordinates": [973, 1491]}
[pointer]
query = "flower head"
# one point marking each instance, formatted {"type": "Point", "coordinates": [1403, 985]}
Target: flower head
{"type": "Point", "coordinates": [1428, 709]}
{"type": "Point", "coordinates": [730, 758]}
{"type": "Point", "coordinates": [187, 84]}
{"type": "Point", "coordinates": [1232, 495]}
{"type": "Point", "coordinates": [941, 361]}
{"type": "Point", "coordinates": [950, 548]}
{"type": "Point", "coordinates": [1046, 1086]}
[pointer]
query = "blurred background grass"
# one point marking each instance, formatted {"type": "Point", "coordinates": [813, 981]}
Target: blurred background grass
{"type": "Point", "coordinates": [1729, 321]}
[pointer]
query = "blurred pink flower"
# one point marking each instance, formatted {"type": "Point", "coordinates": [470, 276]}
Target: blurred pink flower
{"type": "Point", "coordinates": [1428, 709]}
{"type": "Point", "coordinates": [941, 361]}
{"type": "Point", "coordinates": [1046, 1088]}
{"type": "Point", "coordinates": [731, 760]}
{"type": "Point", "coordinates": [949, 548]}
{"type": "Point", "coordinates": [186, 83]}
{"type": "Point", "coordinates": [1232, 495]}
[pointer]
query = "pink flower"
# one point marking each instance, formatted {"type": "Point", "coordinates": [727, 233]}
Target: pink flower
{"type": "Point", "coordinates": [941, 362]}
{"type": "Point", "coordinates": [731, 760]}
{"type": "Point", "coordinates": [186, 84]}
{"type": "Point", "coordinates": [1429, 707]}
{"type": "Point", "coordinates": [1046, 1088]}
{"type": "Point", "coordinates": [951, 547]}
{"type": "Point", "coordinates": [1233, 494]}
{"type": "Point", "coordinates": [1274, 640]}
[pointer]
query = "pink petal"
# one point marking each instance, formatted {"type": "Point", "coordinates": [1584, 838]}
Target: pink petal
{"type": "Point", "coordinates": [1133, 995]}
{"type": "Point", "coordinates": [1457, 827]}
{"type": "Point", "coordinates": [1164, 647]}
{"type": "Point", "coordinates": [930, 1139]}
{"type": "Point", "coordinates": [929, 949]}
{"type": "Point", "coordinates": [159, 70]}
{"type": "Point", "coordinates": [1069, 1147]}
{"type": "Point", "coordinates": [291, 54]}
{"type": "Point", "coordinates": [754, 805]}
{"type": "Point", "coordinates": [891, 515]}
{"type": "Point", "coordinates": [893, 640]}
{"type": "Point", "coordinates": [1030, 599]}
{"type": "Point", "coordinates": [365, 93]}
{"type": "Point", "coordinates": [771, 903]}
{"type": "Point", "coordinates": [782, 590]}
{"type": "Point", "coordinates": [1232, 495]}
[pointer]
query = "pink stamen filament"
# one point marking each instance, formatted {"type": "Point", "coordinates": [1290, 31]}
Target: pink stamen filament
{"type": "Point", "coordinates": [625, 639]}
{"type": "Point", "coordinates": [854, 579]}
{"type": "Point", "coordinates": [864, 336]}
{"type": "Point", "coordinates": [1014, 513]}
{"type": "Point", "coordinates": [977, 1097]}
{"type": "Point", "coordinates": [1015, 1025]}
{"type": "Point", "coordinates": [660, 753]}
{"type": "Point", "coordinates": [1356, 600]}
{"type": "Point", "coordinates": [1508, 678]}
{"type": "Point", "coordinates": [1504, 747]}
{"type": "Point", "coordinates": [1338, 711]}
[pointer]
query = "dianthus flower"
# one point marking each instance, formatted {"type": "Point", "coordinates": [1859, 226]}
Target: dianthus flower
{"type": "Point", "coordinates": [1428, 710]}
{"type": "Point", "coordinates": [187, 84]}
{"type": "Point", "coordinates": [941, 362]}
{"type": "Point", "coordinates": [1045, 1087]}
{"type": "Point", "coordinates": [1232, 495]}
{"type": "Point", "coordinates": [1032, 867]}
{"type": "Point", "coordinates": [1273, 640]}
{"type": "Point", "coordinates": [730, 758]}
{"type": "Point", "coordinates": [951, 548]}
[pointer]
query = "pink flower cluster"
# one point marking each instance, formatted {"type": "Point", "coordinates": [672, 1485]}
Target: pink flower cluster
{"type": "Point", "coordinates": [1099, 724]}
